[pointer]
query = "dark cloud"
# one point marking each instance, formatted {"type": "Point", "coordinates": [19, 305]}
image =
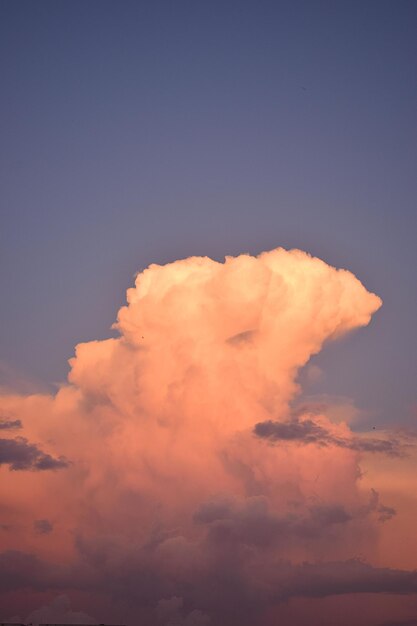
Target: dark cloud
{"type": "Point", "coordinates": [385, 446]}
{"type": "Point", "coordinates": [384, 513]}
{"type": "Point", "coordinates": [212, 511]}
{"type": "Point", "coordinates": [406, 622]}
{"type": "Point", "coordinates": [59, 611]}
{"type": "Point", "coordinates": [19, 454]}
{"type": "Point", "coordinates": [305, 431]}
{"type": "Point", "coordinates": [6, 424]}
{"type": "Point", "coordinates": [252, 523]}
{"type": "Point", "coordinates": [43, 526]}
{"type": "Point", "coordinates": [333, 578]}
{"type": "Point", "coordinates": [18, 570]}
{"type": "Point", "coordinates": [224, 587]}
{"type": "Point", "coordinates": [232, 587]}
{"type": "Point", "coordinates": [308, 432]}
{"type": "Point", "coordinates": [170, 612]}
{"type": "Point", "coordinates": [327, 515]}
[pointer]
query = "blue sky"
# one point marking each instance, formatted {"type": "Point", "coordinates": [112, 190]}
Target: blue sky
{"type": "Point", "coordinates": [139, 132]}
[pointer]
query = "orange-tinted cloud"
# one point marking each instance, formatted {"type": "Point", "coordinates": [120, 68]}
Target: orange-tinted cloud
{"type": "Point", "coordinates": [187, 491]}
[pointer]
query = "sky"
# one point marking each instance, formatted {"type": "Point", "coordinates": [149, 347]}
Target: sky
{"type": "Point", "coordinates": [243, 428]}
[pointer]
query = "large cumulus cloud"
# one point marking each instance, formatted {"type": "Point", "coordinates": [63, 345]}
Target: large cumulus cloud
{"type": "Point", "coordinates": [192, 494]}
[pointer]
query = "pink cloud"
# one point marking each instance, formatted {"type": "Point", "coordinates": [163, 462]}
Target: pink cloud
{"type": "Point", "coordinates": [186, 479]}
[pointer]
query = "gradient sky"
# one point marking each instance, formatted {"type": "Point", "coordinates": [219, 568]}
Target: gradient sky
{"type": "Point", "coordinates": [145, 132]}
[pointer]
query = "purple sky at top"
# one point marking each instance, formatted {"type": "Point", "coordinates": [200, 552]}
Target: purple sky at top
{"type": "Point", "coordinates": [139, 132]}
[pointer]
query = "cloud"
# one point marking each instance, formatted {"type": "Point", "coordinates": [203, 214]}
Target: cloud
{"type": "Point", "coordinates": [19, 454]}
{"type": "Point", "coordinates": [353, 576]}
{"type": "Point", "coordinates": [170, 613]}
{"type": "Point", "coordinates": [384, 513]}
{"type": "Point", "coordinates": [18, 569]}
{"type": "Point", "coordinates": [327, 515]}
{"type": "Point", "coordinates": [7, 424]}
{"type": "Point", "coordinates": [306, 431]}
{"type": "Point", "coordinates": [43, 526]}
{"type": "Point", "coordinates": [252, 523]}
{"type": "Point", "coordinates": [403, 622]}
{"type": "Point", "coordinates": [59, 611]}
{"type": "Point", "coordinates": [175, 508]}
